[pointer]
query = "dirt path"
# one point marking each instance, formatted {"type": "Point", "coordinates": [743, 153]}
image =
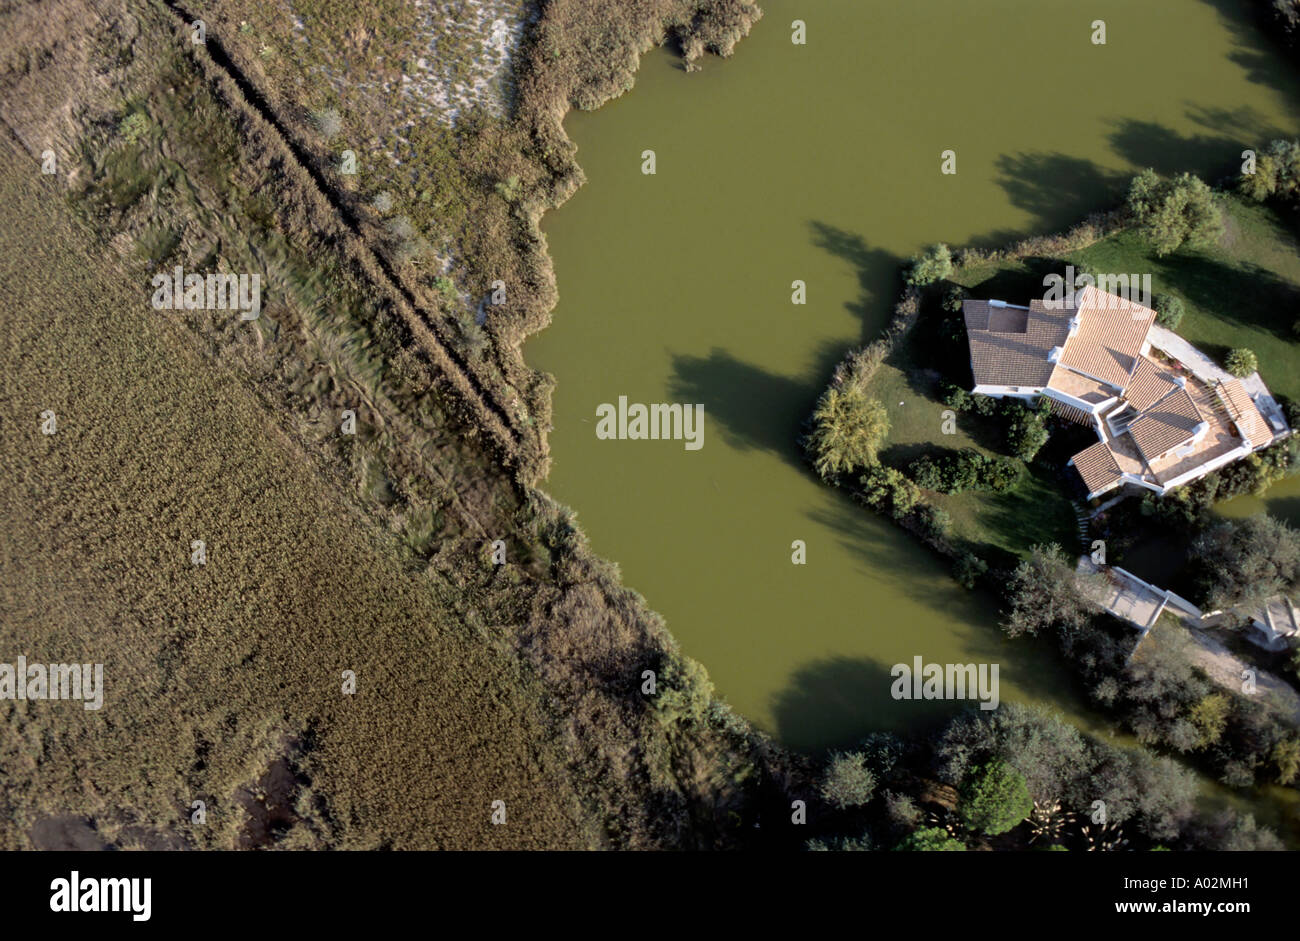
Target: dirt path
{"type": "Point", "coordinates": [1226, 668]}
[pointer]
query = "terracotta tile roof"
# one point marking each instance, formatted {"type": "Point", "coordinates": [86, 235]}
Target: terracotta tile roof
{"type": "Point", "coordinates": [1151, 383]}
{"type": "Point", "coordinates": [1096, 465]}
{"type": "Point", "coordinates": [1009, 346]}
{"type": "Point", "coordinates": [1244, 412]}
{"type": "Point", "coordinates": [1111, 334]}
{"type": "Point", "coordinates": [1166, 425]}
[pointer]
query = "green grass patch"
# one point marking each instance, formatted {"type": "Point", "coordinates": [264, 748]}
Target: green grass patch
{"type": "Point", "coordinates": [1035, 512]}
{"type": "Point", "coordinates": [1242, 292]}
{"type": "Point", "coordinates": [908, 384]}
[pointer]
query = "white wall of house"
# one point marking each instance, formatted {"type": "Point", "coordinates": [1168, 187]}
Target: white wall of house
{"type": "Point", "coordinates": [1015, 392]}
{"type": "Point", "coordinates": [1198, 472]}
{"type": "Point", "coordinates": [1080, 404]}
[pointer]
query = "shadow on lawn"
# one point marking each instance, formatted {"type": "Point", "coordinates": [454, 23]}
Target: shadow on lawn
{"type": "Point", "coordinates": [1244, 294]}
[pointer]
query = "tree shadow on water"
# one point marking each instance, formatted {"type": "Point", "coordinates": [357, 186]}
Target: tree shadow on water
{"type": "Point", "coordinates": [1056, 189]}
{"type": "Point", "coordinates": [1148, 144]}
{"type": "Point", "coordinates": [835, 702]}
{"type": "Point", "coordinates": [752, 407]}
{"type": "Point", "coordinates": [877, 272]}
{"type": "Point", "coordinates": [1264, 62]}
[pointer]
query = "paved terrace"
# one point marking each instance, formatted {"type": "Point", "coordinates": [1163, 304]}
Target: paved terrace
{"type": "Point", "coordinates": [1209, 372]}
{"type": "Point", "coordinates": [1125, 596]}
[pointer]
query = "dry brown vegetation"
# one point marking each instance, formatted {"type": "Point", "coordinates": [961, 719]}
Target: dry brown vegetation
{"type": "Point", "coordinates": [327, 552]}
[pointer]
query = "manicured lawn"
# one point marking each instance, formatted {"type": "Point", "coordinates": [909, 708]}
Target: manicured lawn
{"type": "Point", "coordinates": [1033, 513]}
{"type": "Point", "coordinates": [1245, 291]}
{"type": "Point", "coordinates": [1037, 511]}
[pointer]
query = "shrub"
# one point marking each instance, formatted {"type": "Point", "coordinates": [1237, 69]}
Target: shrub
{"type": "Point", "coordinates": [327, 122]}
{"type": "Point", "coordinates": [1026, 429]}
{"type": "Point", "coordinates": [847, 782]}
{"type": "Point", "coordinates": [994, 798]}
{"type": "Point", "coordinates": [1286, 756]}
{"type": "Point", "coordinates": [968, 469]}
{"type": "Point", "coordinates": [1169, 310]}
{"type": "Point", "coordinates": [901, 811]}
{"type": "Point", "coordinates": [969, 569]}
{"type": "Point", "coordinates": [848, 426]}
{"type": "Point", "coordinates": [934, 264]}
{"type": "Point", "coordinates": [953, 298]}
{"type": "Point", "coordinates": [929, 839]}
{"type": "Point", "coordinates": [508, 189]}
{"type": "Point", "coordinates": [1174, 212]}
{"type": "Point", "coordinates": [954, 396]}
{"type": "Point", "coordinates": [1241, 362]}
{"type": "Point", "coordinates": [934, 522]}
{"type": "Point", "coordinates": [133, 126]}
{"type": "Point", "coordinates": [884, 488]}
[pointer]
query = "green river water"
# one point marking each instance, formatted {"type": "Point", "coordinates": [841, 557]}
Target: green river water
{"type": "Point", "coordinates": [821, 162]}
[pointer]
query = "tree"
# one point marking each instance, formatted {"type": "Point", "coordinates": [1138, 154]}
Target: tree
{"type": "Point", "coordinates": [969, 569]}
{"type": "Point", "coordinates": [847, 782]}
{"type": "Point", "coordinates": [1026, 429]}
{"type": "Point", "coordinates": [929, 839]}
{"type": "Point", "coordinates": [887, 489]}
{"type": "Point", "coordinates": [994, 798]}
{"type": "Point", "coordinates": [1169, 310]}
{"type": "Point", "coordinates": [848, 427]}
{"type": "Point", "coordinates": [1277, 172]}
{"type": "Point", "coordinates": [1247, 561]}
{"type": "Point", "coordinates": [1044, 593]}
{"type": "Point", "coordinates": [1241, 362]}
{"type": "Point", "coordinates": [1286, 755]}
{"type": "Point", "coordinates": [1174, 212]}
{"type": "Point", "coordinates": [1210, 716]}
{"type": "Point", "coordinates": [934, 264]}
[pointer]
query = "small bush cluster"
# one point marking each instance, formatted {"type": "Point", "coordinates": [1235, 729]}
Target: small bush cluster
{"type": "Point", "coordinates": [967, 469]}
{"type": "Point", "coordinates": [1169, 310]}
{"type": "Point", "coordinates": [1241, 362]}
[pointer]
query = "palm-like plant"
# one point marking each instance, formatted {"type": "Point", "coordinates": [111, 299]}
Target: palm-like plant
{"type": "Point", "coordinates": [1106, 838]}
{"type": "Point", "coordinates": [1047, 821]}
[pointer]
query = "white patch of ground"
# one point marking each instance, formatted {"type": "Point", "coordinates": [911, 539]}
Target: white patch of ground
{"type": "Point", "coordinates": [467, 57]}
